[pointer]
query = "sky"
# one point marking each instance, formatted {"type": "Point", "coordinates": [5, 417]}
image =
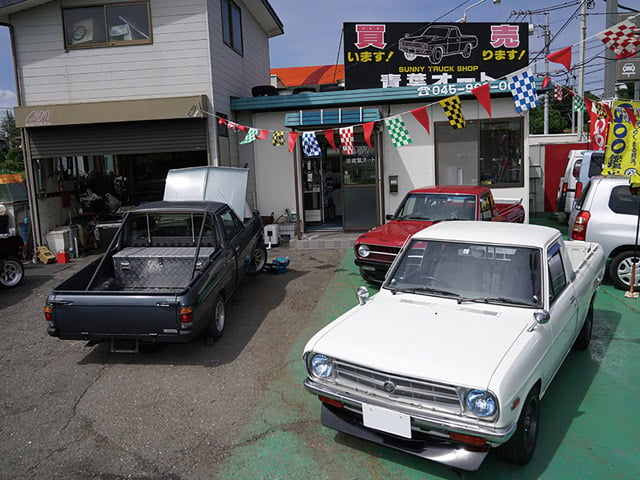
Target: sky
{"type": "Point", "coordinates": [313, 30]}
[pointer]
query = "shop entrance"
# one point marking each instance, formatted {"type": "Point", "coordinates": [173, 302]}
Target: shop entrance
{"type": "Point", "coordinates": [339, 191]}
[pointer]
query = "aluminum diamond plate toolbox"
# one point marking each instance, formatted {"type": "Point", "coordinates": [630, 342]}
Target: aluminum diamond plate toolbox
{"type": "Point", "coordinates": [158, 267]}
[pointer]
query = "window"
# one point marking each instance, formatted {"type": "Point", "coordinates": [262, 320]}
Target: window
{"type": "Point", "coordinates": [107, 25]}
{"type": "Point", "coordinates": [622, 201]}
{"type": "Point", "coordinates": [231, 223]}
{"type": "Point", "coordinates": [557, 276]}
{"type": "Point", "coordinates": [231, 25]}
{"type": "Point", "coordinates": [484, 153]}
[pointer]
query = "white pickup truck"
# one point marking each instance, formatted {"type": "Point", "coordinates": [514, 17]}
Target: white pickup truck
{"type": "Point", "coordinates": [454, 353]}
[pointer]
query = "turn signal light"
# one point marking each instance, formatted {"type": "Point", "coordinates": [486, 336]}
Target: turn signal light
{"type": "Point", "coordinates": [578, 190]}
{"type": "Point", "coordinates": [579, 231]}
{"type": "Point", "coordinates": [469, 439]}
{"type": "Point", "coordinates": [48, 313]}
{"type": "Point", "coordinates": [331, 401]}
{"type": "Point", "coordinates": [186, 314]}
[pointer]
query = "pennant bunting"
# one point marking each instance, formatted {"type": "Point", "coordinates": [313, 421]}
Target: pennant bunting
{"type": "Point", "coordinates": [621, 38]}
{"type": "Point", "coordinates": [250, 136]}
{"type": "Point", "coordinates": [222, 121]}
{"type": "Point", "coordinates": [546, 81]}
{"type": "Point", "coordinates": [557, 92]}
{"type": "Point", "coordinates": [523, 89]}
{"type": "Point", "coordinates": [453, 110]}
{"type": "Point", "coordinates": [346, 140]}
{"type": "Point", "coordinates": [367, 130]}
{"type": "Point", "coordinates": [578, 104]}
{"type": "Point", "coordinates": [398, 132]}
{"type": "Point", "coordinates": [262, 134]}
{"type": "Point", "coordinates": [329, 135]}
{"type": "Point", "coordinates": [422, 116]}
{"type": "Point", "coordinates": [483, 94]}
{"type": "Point", "coordinates": [291, 141]}
{"type": "Point", "coordinates": [310, 145]}
{"type": "Point", "coordinates": [561, 56]}
{"type": "Point", "coordinates": [278, 138]}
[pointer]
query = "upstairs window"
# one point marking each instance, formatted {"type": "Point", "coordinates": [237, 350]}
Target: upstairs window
{"type": "Point", "coordinates": [107, 25]}
{"type": "Point", "coordinates": [231, 25]}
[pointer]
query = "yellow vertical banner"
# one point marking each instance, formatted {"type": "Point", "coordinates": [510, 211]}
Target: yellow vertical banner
{"type": "Point", "coordinates": [622, 155]}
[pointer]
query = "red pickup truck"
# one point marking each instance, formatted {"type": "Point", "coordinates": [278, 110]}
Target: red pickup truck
{"type": "Point", "coordinates": [376, 249]}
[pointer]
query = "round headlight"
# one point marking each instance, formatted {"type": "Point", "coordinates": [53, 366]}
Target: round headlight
{"type": "Point", "coordinates": [363, 250]}
{"type": "Point", "coordinates": [321, 366]}
{"type": "Point", "coordinates": [481, 403]}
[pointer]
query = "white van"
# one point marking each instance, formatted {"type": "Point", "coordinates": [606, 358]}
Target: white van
{"type": "Point", "coordinates": [569, 181]}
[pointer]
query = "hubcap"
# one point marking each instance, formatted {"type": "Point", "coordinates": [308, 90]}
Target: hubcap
{"type": "Point", "coordinates": [624, 271]}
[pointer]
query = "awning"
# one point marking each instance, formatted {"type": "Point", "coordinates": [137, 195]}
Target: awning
{"type": "Point", "coordinates": [340, 116]}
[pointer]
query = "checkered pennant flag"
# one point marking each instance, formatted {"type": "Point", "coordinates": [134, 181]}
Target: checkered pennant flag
{"type": "Point", "coordinates": [601, 111]}
{"type": "Point", "coordinates": [310, 145]}
{"type": "Point", "coordinates": [278, 138]}
{"type": "Point", "coordinates": [453, 110]}
{"type": "Point", "coordinates": [622, 38]}
{"type": "Point", "coordinates": [346, 140]}
{"type": "Point", "coordinates": [398, 132]}
{"type": "Point", "coordinates": [578, 104]}
{"type": "Point", "coordinates": [523, 89]}
{"type": "Point", "coordinates": [250, 136]}
{"type": "Point", "coordinates": [557, 92]}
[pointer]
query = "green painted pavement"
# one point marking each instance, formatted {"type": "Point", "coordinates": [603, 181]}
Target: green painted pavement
{"type": "Point", "coordinates": [589, 420]}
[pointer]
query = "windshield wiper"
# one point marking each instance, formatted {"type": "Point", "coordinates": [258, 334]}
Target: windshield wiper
{"type": "Point", "coordinates": [493, 300]}
{"type": "Point", "coordinates": [428, 290]}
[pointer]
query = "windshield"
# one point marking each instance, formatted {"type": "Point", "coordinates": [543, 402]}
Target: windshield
{"type": "Point", "coordinates": [469, 272]}
{"type": "Point", "coordinates": [437, 206]}
{"type": "Point", "coordinates": [436, 32]}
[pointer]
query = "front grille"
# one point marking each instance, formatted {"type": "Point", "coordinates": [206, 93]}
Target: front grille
{"type": "Point", "coordinates": [381, 253]}
{"type": "Point", "coordinates": [418, 393]}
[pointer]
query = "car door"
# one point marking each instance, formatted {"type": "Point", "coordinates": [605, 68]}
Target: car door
{"type": "Point", "coordinates": [563, 310]}
{"type": "Point", "coordinates": [240, 239]}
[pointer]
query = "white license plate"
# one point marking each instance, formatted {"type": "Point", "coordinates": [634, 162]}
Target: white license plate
{"type": "Point", "coordinates": [386, 420]}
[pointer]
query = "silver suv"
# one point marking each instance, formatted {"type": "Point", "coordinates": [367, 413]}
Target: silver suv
{"type": "Point", "coordinates": [608, 212]}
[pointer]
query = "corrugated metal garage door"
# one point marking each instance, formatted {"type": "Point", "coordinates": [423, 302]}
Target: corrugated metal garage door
{"type": "Point", "coordinates": [181, 135]}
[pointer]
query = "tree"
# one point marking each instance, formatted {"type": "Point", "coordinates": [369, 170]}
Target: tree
{"type": "Point", "coordinates": [11, 157]}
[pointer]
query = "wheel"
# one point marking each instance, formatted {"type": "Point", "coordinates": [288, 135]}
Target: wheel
{"type": "Point", "coordinates": [11, 272]}
{"type": "Point", "coordinates": [519, 449]}
{"type": "Point", "coordinates": [466, 53]}
{"type": "Point", "coordinates": [216, 327]}
{"type": "Point", "coordinates": [620, 270]}
{"type": "Point", "coordinates": [584, 337]}
{"type": "Point", "coordinates": [258, 260]}
{"type": "Point", "coordinates": [436, 55]}
{"type": "Point", "coordinates": [410, 56]}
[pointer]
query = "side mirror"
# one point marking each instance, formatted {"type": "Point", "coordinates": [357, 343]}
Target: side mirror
{"type": "Point", "coordinates": [363, 294]}
{"type": "Point", "coordinates": [540, 317]}
{"type": "Point", "coordinates": [388, 216]}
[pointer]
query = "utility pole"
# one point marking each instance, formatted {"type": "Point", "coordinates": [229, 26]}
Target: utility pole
{"type": "Point", "coordinates": [583, 38]}
{"type": "Point", "coordinates": [546, 71]}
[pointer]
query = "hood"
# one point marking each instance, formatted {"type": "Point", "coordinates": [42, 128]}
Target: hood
{"type": "Point", "coordinates": [393, 233]}
{"type": "Point", "coordinates": [423, 337]}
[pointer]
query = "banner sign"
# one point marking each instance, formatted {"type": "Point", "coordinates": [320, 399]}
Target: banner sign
{"type": "Point", "coordinates": [622, 155]}
{"type": "Point", "coordinates": [387, 55]}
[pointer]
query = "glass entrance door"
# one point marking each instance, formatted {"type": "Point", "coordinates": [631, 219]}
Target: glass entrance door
{"type": "Point", "coordinates": [359, 173]}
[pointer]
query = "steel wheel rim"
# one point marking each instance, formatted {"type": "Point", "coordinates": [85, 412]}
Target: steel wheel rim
{"type": "Point", "coordinates": [219, 318]}
{"type": "Point", "coordinates": [10, 273]}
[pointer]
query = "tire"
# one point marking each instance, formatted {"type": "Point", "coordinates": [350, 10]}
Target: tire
{"type": "Point", "coordinates": [258, 260]}
{"type": "Point", "coordinates": [410, 56]}
{"type": "Point", "coordinates": [216, 325]}
{"type": "Point", "coordinates": [466, 53]}
{"type": "Point", "coordinates": [11, 272]}
{"type": "Point", "coordinates": [520, 448]}
{"type": "Point", "coordinates": [620, 270]}
{"type": "Point", "coordinates": [436, 55]}
{"type": "Point", "coordinates": [584, 337]}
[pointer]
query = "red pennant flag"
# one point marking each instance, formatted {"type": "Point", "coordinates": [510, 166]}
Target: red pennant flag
{"type": "Point", "coordinates": [242, 128]}
{"type": "Point", "coordinates": [262, 134]}
{"type": "Point", "coordinates": [423, 117]}
{"type": "Point", "coordinates": [483, 94]}
{"type": "Point", "coordinates": [368, 129]}
{"type": "Point", "coordinates": [329, 135]}
{"type": "Point", "coordinates": [545, 82]}
{"type": "Point", "coordinates": [632, 116]}
{"type": "Point", "coordinates": [222, 121]}
{"type": "Point", "coordinates": [561, 56]}
{"type": "Point", "coordinates": [291, 142]}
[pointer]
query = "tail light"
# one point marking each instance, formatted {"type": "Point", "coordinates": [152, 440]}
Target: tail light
{"type": "Point", "coordinates": [564, 188]}
{"type": "Point", "coordinates": [48, 313]}
{"type": "Point", "coordinates": [186, 316]}
{"type": "Point", "coordinates": [579, 231]}
{"type": "Point", "coordinates": [578, 190]}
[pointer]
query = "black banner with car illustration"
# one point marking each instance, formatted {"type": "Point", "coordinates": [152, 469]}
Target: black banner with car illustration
{"type": "Point", "coordinates": [413, 54]}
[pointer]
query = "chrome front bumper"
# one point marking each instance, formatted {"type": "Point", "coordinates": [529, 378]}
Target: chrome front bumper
{"type": "Point", "coordinates": [431, 433]}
